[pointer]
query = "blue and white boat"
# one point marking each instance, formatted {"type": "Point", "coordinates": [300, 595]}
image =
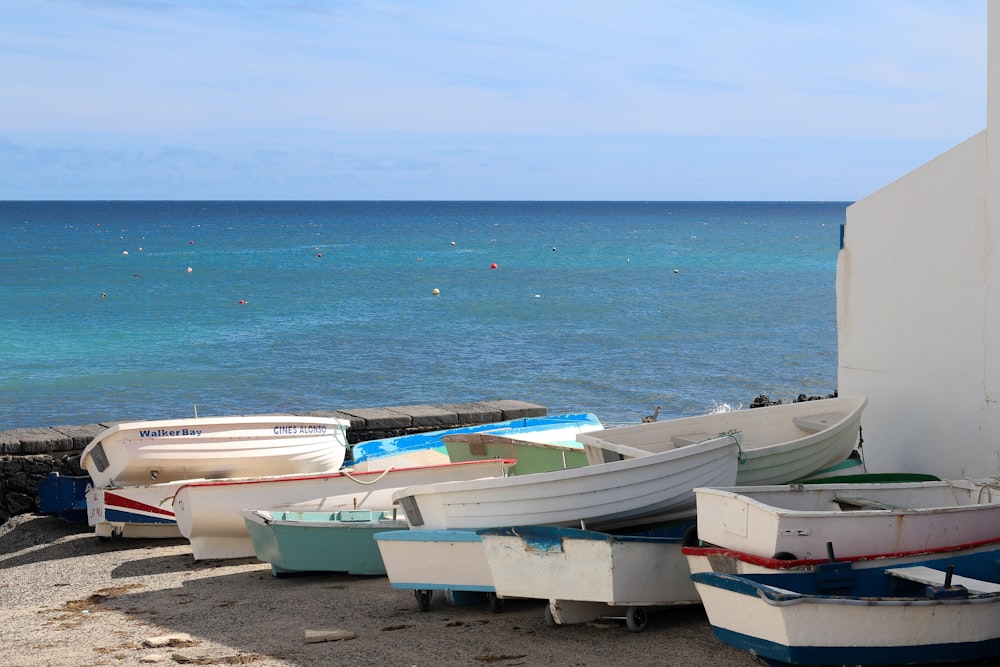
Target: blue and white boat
{"type": "Point", "coordinates": [449, 561]}
{"type": "Point", "coordinates": [935, 611]}
{"type": "Point", "coordinates": [428, 448]}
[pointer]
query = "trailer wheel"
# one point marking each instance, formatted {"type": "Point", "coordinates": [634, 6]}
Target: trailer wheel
{"type": "Point", "coordinates": [423, 599]}
{"type": "Point", "coordinates": [496, 603]}
{"type": "Point", "coordinates": [550, 620]}
{"type": "Point", "coordinates": [636, 619]}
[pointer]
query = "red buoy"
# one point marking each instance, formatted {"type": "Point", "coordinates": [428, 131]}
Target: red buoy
{"type": "Point", "coordinates": [493, 266]}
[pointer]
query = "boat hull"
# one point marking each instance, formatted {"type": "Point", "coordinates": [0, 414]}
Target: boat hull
{"type": "Point", "coordinates": [208, 511]}
{"type": "Point", "coordinates": [779, 444]}
{"type": "Point", "coordinates": [797, 521]}
{"type": "Point", "coordinates": [134, 511]}
{"type": "Point", "coordinates": [567, 566]}
{"type": "Point", "coordinates": [340, 541]}
{"type": "Point", "coordinates": [152, 452]}
{"type": "Point", "coordinates": [435, 560]}
{"type": "Point", "coordinates": [599, 496]}
{"type": "Point", "coordinates": [863, 617]}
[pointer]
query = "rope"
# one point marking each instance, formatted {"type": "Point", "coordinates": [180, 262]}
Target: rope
{"type": "Point", "coordinates": [861, 450]}
{"type": "Point", "coordinates": [736, 435]}
{"type": "Point", "coordinates": [349, 476]}
{"type": "Point", "coordinates": [986, 486]}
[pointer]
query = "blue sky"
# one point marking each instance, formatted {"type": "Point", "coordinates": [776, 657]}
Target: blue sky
{"type": "Point", "coordinates": [467, 99]}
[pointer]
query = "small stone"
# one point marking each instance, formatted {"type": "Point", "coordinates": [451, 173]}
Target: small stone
{"type": "Point", "coordinates": [313, 636]}
{"type": "Point", "coordinates": [602, 626]}
{"type": "Point", "coordinates": [153, 657]}
{"type": "Point", "coordinates": [174, 639]}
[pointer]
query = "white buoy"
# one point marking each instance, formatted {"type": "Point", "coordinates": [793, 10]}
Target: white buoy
{"type": "Point", "coordinates": [190, 269]}
{"type": "Point", "coordinates": [435, 291]}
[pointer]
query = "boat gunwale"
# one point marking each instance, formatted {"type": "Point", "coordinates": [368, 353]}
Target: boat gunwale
{"type": "Point", "coordinates": [343, 472]}
{"type": "Point", "coordinates": [799, 563]}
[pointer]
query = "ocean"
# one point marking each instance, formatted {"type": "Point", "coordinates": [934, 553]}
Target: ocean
{"type": "Point", "coordinates": [124, 310]}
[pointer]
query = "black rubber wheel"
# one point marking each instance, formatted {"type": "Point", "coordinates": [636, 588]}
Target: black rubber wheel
{"type": "Point", "coordinates": [423, 599]}
{"type": "Point", "coordinates": [496, 603]}
{"type": "Point", "coordinates": [636, 619]}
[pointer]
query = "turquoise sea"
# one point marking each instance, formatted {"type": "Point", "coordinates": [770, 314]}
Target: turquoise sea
{"type": "Point", "coordinates": [127, 310]}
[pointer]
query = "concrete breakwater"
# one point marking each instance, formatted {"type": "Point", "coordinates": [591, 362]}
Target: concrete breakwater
{"type": "Point", "coordinates": [28, 455]}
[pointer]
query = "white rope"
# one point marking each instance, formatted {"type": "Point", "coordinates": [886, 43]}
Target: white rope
{"type": "Point", "coordinates": [349, 476]}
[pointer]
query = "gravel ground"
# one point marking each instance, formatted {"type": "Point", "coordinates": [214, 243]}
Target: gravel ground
{"type": "Point", "coordinates": [66, 599]}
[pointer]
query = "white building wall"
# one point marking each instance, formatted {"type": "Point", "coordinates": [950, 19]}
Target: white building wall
{"type": "Point", "coordinates": [918, 307]}
{"type": "Point", "coordinates": [911, 289]}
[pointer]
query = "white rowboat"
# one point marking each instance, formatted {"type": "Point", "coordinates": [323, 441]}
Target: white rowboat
{"type": "Point", "coordinates": [208, 511]}
{"type": "Point", "coordinates": [151, 452]}
{"type": "Point", "coordinates": [798, 520]}
{"type": "Point", "coordinates": [778, 444]}
{"type": "Point", "coordinates": [647, 488]}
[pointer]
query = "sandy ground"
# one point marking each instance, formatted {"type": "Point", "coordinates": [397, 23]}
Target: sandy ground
{"type": "Point", "coordinates": [67, 599]}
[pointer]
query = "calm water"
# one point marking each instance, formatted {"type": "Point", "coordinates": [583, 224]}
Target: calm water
{"type": "Point", "coordinates": [127, 310]}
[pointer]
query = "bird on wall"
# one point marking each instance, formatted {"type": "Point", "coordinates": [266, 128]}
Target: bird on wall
{"type": "Point", "coordinates": [649, 419]}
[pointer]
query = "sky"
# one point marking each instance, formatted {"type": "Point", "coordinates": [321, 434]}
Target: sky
{"type": "Point", "coordinates": [473, 100]}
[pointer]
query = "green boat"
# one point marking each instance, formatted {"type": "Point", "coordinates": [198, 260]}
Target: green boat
{"type": "Point", "coordinates": [531, 456]}
{"type": "Point", "coordinates": [310, 541]}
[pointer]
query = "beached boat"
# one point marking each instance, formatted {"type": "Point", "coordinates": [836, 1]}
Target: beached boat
{"type": "Point", "coordinates": [925, 612]}
{"type": "Point", "coordinates": [798, 520]}
{"type": "Point", "coordinates": [778, 444]}
{"type": "Point", "coordinates": [587, 575]}
{"type": "Point", "coordinates": [208, 511]}
{"type": "Point", "coordinates": [293, 541]}
{"type": "Point", "coordinates": [429, 448]}
{"type": "Point", "coordinates": [641, 489]}
{"type": "Point", "coordinates": [132, 511]}
{"type": "Point", "coordinates": [530, 456]}
{"type": "Point", "coordinates": [451, 561]}
{"type": "Point", "coordinates": [150, 452]}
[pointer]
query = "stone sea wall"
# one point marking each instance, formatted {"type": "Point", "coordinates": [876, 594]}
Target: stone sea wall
{"type": "Point", "coordinates": [28, 455]}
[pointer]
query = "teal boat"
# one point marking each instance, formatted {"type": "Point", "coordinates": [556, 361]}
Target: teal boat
{"type": "Point", "coordinates": [295, 542]}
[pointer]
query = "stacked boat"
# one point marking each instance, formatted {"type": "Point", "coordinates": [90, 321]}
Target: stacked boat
{"type": "Point", "coordinates": [195, 477]}
{"type": "Point", "coordinates": [137, 467]}
{"type": "Point", "coordinates": [832, 574]}
{"type": "Point", "coordinates": [635, 496]}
